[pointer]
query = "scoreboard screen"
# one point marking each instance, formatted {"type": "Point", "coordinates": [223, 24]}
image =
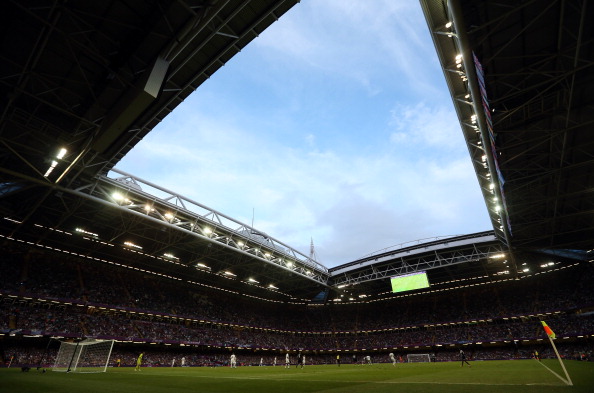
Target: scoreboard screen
{"type": "Point", "coordinates": [409, 282]}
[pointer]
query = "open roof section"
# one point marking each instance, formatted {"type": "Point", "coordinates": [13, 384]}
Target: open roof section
{"type": "Point", "coordinates": [523, 91]}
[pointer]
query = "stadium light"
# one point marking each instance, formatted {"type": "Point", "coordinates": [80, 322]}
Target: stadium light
{"type": "Point", "coordinates": [170, 256]}
{"type": "Point", "coordinates": [130, 244]}
{"type": "Point", "coordinates": [86, 232]}
{"type": "Point", "coordinates": [448, 25]}
{"type": "Point", "coordinates": [51, 168]}
{"type": "Point", "coordinates": [253, 280]}
{"type": "Point", "coordinates": [62, 153]}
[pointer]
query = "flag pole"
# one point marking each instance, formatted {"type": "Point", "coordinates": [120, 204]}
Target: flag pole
{"type": "Point", "coordinates": [560, 360]}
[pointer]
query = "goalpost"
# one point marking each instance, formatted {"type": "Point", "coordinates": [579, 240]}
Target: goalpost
{"type": "Point", "coordinates": [418, 357]}
{"type": "Point", "coordinates": [87, 356]}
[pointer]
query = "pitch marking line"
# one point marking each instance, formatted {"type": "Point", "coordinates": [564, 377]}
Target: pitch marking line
{"type": "Point", "coordinates": [554, 373]}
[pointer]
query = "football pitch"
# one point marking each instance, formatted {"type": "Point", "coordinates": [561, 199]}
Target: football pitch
{"type": "Point", "coordinates": [489, 376]}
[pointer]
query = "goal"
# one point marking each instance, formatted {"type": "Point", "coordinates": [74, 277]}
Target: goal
{"type": "Point", "coordinates": [418, 357]}
{"type": "Point", "coordinates": [87, 356]}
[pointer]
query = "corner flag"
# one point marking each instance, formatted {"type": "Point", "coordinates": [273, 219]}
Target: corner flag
{"type": "Point", "coordinates": [547, 329]}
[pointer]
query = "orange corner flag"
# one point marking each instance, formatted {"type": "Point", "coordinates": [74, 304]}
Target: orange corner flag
{"type": "Point", "coordinates": [547, 329]}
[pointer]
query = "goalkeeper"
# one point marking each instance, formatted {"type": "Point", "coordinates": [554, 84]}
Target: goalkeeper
{"type": "Point", "coordinates": [139, 361]}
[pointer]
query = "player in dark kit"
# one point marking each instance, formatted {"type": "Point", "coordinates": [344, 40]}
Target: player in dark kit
{"type": "Point", "coordinates": [463, 358]}
{"type": "Point", "coordinates": [299, 360]}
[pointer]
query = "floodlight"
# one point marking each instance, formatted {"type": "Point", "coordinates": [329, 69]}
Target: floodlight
{"type": "Point", "coordinates": [130, 244]}
{"type": "Point", "coordinates": [448, 25]}
{"type": "Point", "coordinates": [50, 169]}
{"type": "Point", "coordinates": [62, 153]}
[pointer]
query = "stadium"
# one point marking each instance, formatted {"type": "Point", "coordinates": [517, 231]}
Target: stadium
{"type": "Point", "coordinates": [94, 257]}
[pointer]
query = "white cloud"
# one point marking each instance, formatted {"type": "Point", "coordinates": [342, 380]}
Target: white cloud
{"type": "Point", "coordinates": [421, 123]}
{"type": "Point", "coordinates": [357, 168]}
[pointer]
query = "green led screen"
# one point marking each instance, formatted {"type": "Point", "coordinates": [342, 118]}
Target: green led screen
{"type": "Point", "coordinates": [409, 282]}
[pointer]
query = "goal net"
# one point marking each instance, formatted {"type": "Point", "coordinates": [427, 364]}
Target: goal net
{"type": "Point", "coordinates": [87, 356]}
{"type": "Point", "coordinates": [418, 357]}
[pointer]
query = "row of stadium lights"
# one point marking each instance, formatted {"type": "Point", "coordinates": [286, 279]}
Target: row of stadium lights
{"type": "Point", "coordinates": [136, 268]}
{"type": "Point", "coordinates": [525, 269]}
{"type": "Point", "coordinates": [208, 232]}
{"type": "Point", "coordinates": [228, 274]}
{"type": "Point", "coordinates": [91, 236]}
{"type": "Point", "coordinates": [473, 123]}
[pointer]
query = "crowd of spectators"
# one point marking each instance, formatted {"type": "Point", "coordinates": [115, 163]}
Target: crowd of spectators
{"type": "Point", "coordinates": [42, 294]}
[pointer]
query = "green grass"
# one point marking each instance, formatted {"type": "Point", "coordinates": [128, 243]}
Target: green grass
{"type": "Point", "coordinates": [493, 376]}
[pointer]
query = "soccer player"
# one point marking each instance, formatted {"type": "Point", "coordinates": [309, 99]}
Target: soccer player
{"type": "Point", "coordinates": [233, 362]}
{"type": "Point", "coordinates": [338, 360]}
{"type": "Point", "coordinates": [274, 363]}
{"type": "Point", "coordinates": [536, 356]}
{"type": "Point", "coordinates": [287, 360]}
{"type": "Point", "coordinates": [299, 360]}
{"type": "Point", "coordinates": [354, 359]}
{"type": "Point", "coordinates": [368, 359]}
{"type": "Point", "coordinates": [183, 361]}
{"type": "Point", "coordinates": [463, 358]}
{"type": "Point", "coordinates": [139, 361]}
{"type": "Point", "coordinates": [261, 362]}
{"type": "Point", "coordinates": [393, 359]}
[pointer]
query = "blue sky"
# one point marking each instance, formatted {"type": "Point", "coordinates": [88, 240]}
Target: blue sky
{"type": "Point", "coordinates": [334, 124]}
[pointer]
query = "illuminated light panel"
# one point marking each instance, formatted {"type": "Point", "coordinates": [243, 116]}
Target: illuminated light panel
{"type": "Point", "coordinates": [51, 168]}
{"type": "Point", "coordinates": [130, 244]}
{"type": "Point", "coordinates": [80, 230]}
